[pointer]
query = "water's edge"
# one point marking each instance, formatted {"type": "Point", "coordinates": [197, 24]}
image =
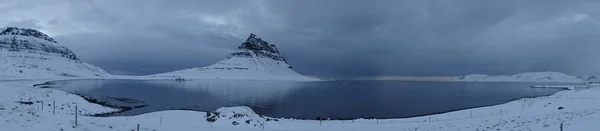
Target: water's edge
{"type": "Point", "coordinates": [128, 108]}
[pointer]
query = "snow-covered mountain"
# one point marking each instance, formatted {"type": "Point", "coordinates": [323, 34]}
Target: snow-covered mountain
{"type": "Point", "coordinates": [256, 59]}
{"type": "Point", "coordinates": [521, 77]}
{"type": "Point", "coordinates": [31, 54]}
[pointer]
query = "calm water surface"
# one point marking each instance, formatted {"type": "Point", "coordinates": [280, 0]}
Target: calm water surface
{"type": "Point", "coordinates": [305, 100]}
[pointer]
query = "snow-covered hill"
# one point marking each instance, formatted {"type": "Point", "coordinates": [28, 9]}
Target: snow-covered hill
{"type": "Point", "coordinates": [522, 77]}
{"type": "Point", "coordinates": [31, 54]}
{"type": "Point", "coordinates": [256, 59]}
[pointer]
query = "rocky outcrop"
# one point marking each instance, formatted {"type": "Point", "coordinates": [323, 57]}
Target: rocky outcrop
{"type": "Point", "coordinates": [21, 39]}
{"type": "Point", "coordinates": [26, 32]}
{"type": "Point", "coordinates": [259, 47]}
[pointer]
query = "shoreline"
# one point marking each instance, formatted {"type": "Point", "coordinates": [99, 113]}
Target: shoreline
{"type": "Point", "coordinates": [125, 108]}
{"type": "Point", "coordinates": [532, 115]}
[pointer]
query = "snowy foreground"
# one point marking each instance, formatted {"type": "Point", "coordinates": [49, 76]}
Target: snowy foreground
{"type": "Point", "coordinates": [578, 110]}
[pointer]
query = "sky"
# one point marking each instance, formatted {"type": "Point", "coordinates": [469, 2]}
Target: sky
{"type": "Point", "coordinates": [326, 38]}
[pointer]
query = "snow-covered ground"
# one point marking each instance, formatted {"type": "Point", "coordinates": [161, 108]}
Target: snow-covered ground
{"type": "Point", "coordinates": [522, 77]}
{"type": "Point", "coordinates": [578, 110]}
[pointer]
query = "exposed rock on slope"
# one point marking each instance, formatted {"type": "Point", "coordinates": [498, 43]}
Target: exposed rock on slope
{"type": "Point", "coordinates": [31, 54]}
{"type": "Point", "coordinates": [592, 78]}
{"type": "Point", "coordinates": [256, 59]}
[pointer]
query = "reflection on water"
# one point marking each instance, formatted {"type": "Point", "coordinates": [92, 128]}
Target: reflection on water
{"type": "Point", "coordinates": [307, 100]}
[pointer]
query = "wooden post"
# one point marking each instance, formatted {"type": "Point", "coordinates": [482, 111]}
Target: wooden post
{"type": "Point", "coordinates": [138, 127]}
{"type": "Point", "coordinates": [320, 121]}
{"type": "Point", "coordinates": [500, 111]}
{"type": "Point", "coordinates": [76, 115]}
{"type": "Point", "coordinates": [54, 107]}
{"type": "Point", "coordinates": [470, 114]}
{"type": "Point", "coordinates": [377, 121]}
{"type": "Point", "coordinates": [429, 119]}
{"type": "Point", "coordinates": [561, 126]}
{"type": "Point", "coordinates": [42, 105]}
{"type": "Point", "coordinates": [161, 120]}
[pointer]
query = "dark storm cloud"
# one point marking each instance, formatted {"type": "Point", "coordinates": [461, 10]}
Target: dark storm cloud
{"type": "Point", "coordinates": [451, 37]}
{"type": "Point", "coordinates": [332, 38]}
{"type": "Point", "coordinates": [29, 23]}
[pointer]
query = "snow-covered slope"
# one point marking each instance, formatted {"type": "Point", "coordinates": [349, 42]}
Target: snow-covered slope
{"type": "Point", "coordinates": [521, 77]}
{"type": "Point", "coordinates": [256, 59]}
{"type": "Point", "coordinates": [31, 54]}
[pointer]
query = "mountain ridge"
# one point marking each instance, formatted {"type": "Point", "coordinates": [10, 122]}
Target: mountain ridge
{"type": "Point", "coordinates": [547, 76]}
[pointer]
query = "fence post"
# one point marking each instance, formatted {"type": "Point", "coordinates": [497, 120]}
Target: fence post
{"type": "Point", "coordinates": [429, 119]}
{"type": "Point", "coordinates": [470, 114]}
{"type": "Point", "coordinates": [561, 126]}
{"type": "Point", "coordinates": [42, 105]}
{"type": "Point", "coordinates": [54, 107]}
{"type": "Point", "coordinates": [138, 127]}
{"type": "Point", "coordinates": [320, 121]}
{"type": "Point", "coordinates": [377, 121]}
{"type": "Point", "coordinates": [161, 120]}
{"type": "Point", "coordinates": [76, 115]}
{"type": "Point", "coordinates": [500, 111]}
{"type": "Point", "coordinates": [523, 106]}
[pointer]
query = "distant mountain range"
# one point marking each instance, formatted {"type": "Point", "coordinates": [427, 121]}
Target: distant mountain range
{"type": "Point", "coordinates": [591, 78]}
{"type": "Point", "coordinates": [31, 54]}
{"type": "Point", "coordinates": [521, 77]}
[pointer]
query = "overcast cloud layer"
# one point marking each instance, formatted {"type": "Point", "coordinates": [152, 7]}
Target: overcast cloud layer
{"type": "Point", "coordinates": [329, 38]}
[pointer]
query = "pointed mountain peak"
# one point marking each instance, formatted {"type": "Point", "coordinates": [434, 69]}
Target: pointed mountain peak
{"type": "Point", "coordinates": [252, 36]}
{"type": "Point", "coordinates": [25, 32]}
{"type": "Point", "coordinates": [255, 43]}
{"type": "Point", "coordinates": [259, 47]}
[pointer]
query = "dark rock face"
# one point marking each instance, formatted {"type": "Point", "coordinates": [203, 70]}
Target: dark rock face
{"type": "Point", "coordinates": [257, 44]}
{"type": "Point", "coordinates": [26, 32]}
{"type": "Point", "coordinates": [592, 78]}
{"type": "Point", "coordinates": [15, 39]}
{"type": "Point", "coordinates": [259, 47]}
